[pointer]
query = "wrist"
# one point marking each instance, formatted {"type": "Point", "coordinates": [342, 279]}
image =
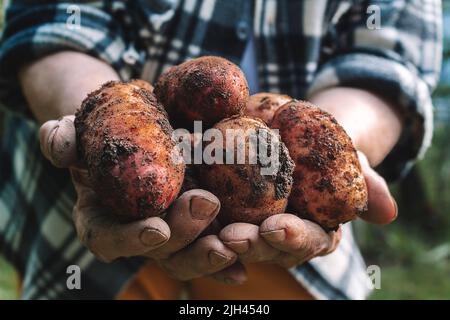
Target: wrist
{"type": "Point", "coordinates": [371, 122]}
{"type": "Point", "coordinates": [55, 85]}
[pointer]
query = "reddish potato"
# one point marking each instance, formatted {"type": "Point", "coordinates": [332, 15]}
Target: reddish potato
{"type": "Point", "coordinates": [246, 193]}
{"type": "Point", "coordinates": [124, 137]}
{"type": "Point", "coordinates": [264, 104]}
{"type": "Point", "coordinates": [208, 89]}
{"type": "Point", "coordinates": [142, 84]}
{"type": "Point", "coordinates": [329, 187]}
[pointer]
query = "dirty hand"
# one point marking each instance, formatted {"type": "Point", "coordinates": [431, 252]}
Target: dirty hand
{"type": "Point", "coordinates": [172, 242]}
{"type": "Point", "coordinates": [287, 240]}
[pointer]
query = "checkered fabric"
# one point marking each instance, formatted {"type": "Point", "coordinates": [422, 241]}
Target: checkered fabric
{"type": "Point", "coordinates": [302, 47]}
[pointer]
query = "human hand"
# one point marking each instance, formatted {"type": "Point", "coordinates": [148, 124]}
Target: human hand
{"type": "Point", "coordinates": [287, 240]}
{"type": "Point", "coordinates": [283, 239]}
{"type": "Point", "coordinates": [172, 242]}
{"type": "Point", "coordinates": [374, 126]}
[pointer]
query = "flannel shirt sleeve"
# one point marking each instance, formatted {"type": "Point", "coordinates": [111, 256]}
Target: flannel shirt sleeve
{"type": "Point", "coordinates": [34, 29]}
{"type": "Point", "coordinates": [399, 59]}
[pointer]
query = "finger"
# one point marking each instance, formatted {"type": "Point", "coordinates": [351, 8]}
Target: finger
{"type": "Point", "coordinates": [109, 239]}
{"type": "Point", "coordinates": [288, 260]}
{"type": "Point", "coordinates": [382, 207]}
{"type": "Point", "coordinates": [58, 142]}
{"type": "Point", "coordinates": [234, 275]}
{"type": "Point", "coordinates": [80, 179]}
{"type": "Point", "coordinates": [205, 256]}
{"type": "Point", "coordinates": [244, 239]}
{"type": "Point", "coordinates": [301, 238]}
{"type": "Point", "coordinates": [214, 228]}
{"type": "Point", "coordinates": [188, 216]}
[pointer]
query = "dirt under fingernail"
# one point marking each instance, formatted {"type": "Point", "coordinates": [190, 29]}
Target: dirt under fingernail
{"type": "Point", "coordinates": [202, 208]}
{"type": "Point", "coordinates": [152, 237]}
{"type": "Point", "coordinates": [241, 246]}
{"type": "Point", "coordinates": [217, 258]}
{"type": "Point", "coordinates": [274, 235]}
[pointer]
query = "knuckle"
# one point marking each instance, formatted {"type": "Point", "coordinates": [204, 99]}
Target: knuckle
{"type": "Point", "coordinates": [85, 235]}
{"type": "Point", "coordinates": [75, 216]}
{"type": "Point", "coordinates": [332, 247]}
{"type": "Point", "coordinates": [304, 243]}
{"type": "Point", "coordinates": [324, 249]}
{"type": "Point", "coordinates": [230, 232]}
{"type": "Point", "coordinates": [337, 236]}
{"type": "Point", "coordinates": [332, 243]}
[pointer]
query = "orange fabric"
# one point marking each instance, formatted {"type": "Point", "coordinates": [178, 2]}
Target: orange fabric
{"type": "Point", "coordinates": [151, 283]}
{"type": "Point", "coordinates": [264, 282]}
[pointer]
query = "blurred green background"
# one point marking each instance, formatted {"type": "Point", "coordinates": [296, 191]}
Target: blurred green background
{"type": "Point", "coordinates": [414, 251]}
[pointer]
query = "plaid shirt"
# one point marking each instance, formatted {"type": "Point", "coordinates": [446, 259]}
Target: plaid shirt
{"type": "Point", "coordinates": [302, 47]}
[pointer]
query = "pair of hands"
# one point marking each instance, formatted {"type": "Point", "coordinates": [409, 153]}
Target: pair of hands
{"type": "Point", "coordinates": [176, 242]}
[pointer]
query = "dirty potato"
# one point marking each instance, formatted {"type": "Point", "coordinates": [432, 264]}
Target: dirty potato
{"type": "Point", "coordinates": [206, 89]}
{"type": "Point", "coordinates": [124, 137]}
{"type": "Point", "coordinates": [329, 187]}
{"type": "Point", "coordinates": [247, 193]}
{"type": "Point", "coordinates": [263, 105]}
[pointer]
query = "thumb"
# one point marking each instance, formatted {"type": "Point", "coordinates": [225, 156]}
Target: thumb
{"type": "Point", "coordinates": [58, 142]}
{"type": "Point", "coordinates": [382, 206]}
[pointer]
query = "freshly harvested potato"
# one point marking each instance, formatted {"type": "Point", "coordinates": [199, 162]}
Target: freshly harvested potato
{"type": "Point", "coordinates": [264, 104]}
{"type": "Point", "coordinates": [246, 193]}
{"type": "Point", "coordinates": [207, 89]}
{"type": "Point", "coordinates": [329, 187]}
{"type": "Point", "coordinates": [124, 137]}
{"type": "Point", "coordinates": [142, 84]}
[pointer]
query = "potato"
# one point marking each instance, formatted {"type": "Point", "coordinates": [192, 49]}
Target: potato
{"type": "Point", "coordinates": [124, 137]}
{"type": "Point", "coordinates": [329, 187]}
{"type": "Point", "coordinates": [142, 84]}
{"type": "Point", "coordinates": [207, 89]}
{"type": "Point", "coordinates": [246, 193]}
{"type": "Point", "coordinates": [264, 104]}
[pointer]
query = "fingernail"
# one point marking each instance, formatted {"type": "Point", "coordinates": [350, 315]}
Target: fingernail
{"type": "Point", "coordinates": [396, 208]}
{"type": "Point", "coordinates": [152, 237]}
{"type": "Point", "coordinates": [274, 235]}
{"type": "Point", "coordinates": [202, 208]}
{"type": "Point", "coordinates": [216, 258]}
{"type": "Point", "coordinates": [241, 246]}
